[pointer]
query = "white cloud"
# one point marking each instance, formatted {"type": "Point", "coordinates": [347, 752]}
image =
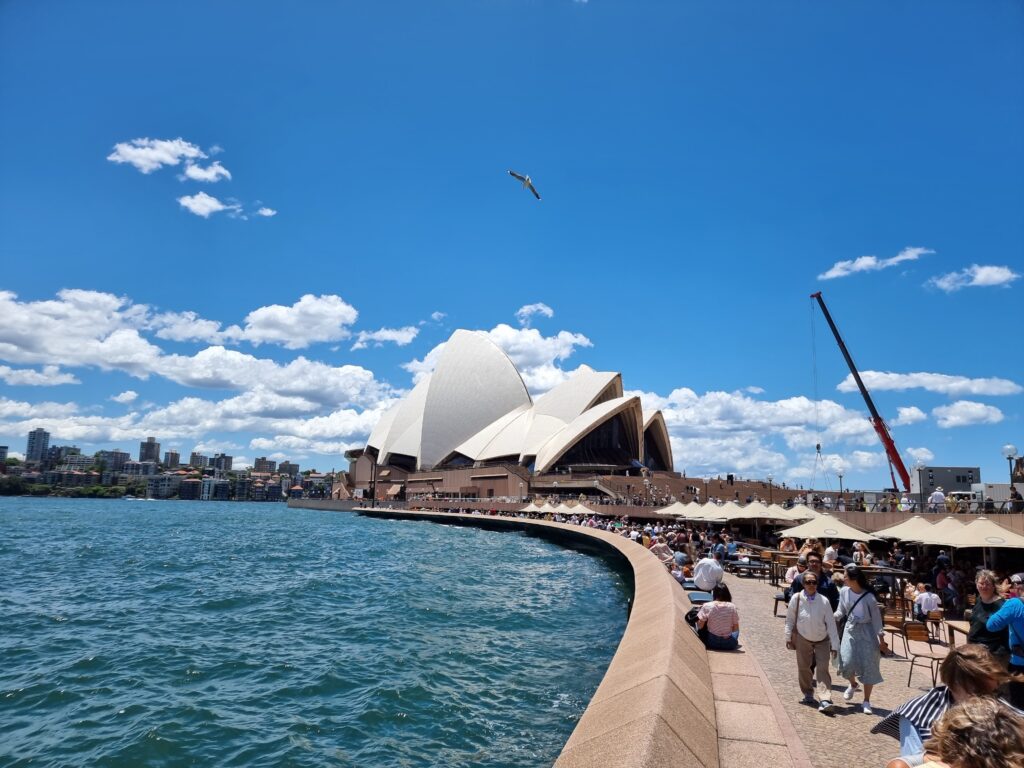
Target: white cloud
{"type": "Point", "coordinates": [974, 276]}
{"type": "Point", "coordinates": [525, 313]}
{"type": "Point", "coordinates": [148, 155]}
{"type": "Point", "coordinates": [400, 336]}
{"type": "Point", "coordinates": [188, 326]}
{"type": "Point", "coordinates": [438, 316]}
{"type": "Point", "coordinates": [965, 413]}
{"type": "Point", "coordinates": [872, 263]}
{"type": "Point", "coordinates": [310, 319]}
{"type": "Point", "coordinates": [128, 396]}
{"type": "Point", "coordinates": [266, 212]}
{"type": "Point", "coordinates": [754, 390]}
{"type": "Point", "coordinates": [920, 454]}
{"type": "Point", "coordinates": [933, 382]}
{"type": "Point", "coordinates": [213, 173]}
{"type": "Point", "coordinates": [202, 204]}
{"type": "Point", "coordinates": [49, 376]}
{"type": "Point", "coordinates": [908, 415]}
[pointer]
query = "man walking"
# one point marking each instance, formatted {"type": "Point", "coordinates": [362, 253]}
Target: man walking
{"type": "Point", "coordinates": [811, 632]}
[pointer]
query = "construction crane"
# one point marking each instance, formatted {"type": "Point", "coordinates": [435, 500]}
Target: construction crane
{"type": "Point", "coordinates": [895, 462]}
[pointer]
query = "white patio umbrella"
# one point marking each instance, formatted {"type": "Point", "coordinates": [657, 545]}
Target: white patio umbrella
{"type": "Point", "coordinates": [828, 527]}
{"type": "Point", "coordinates": [676, 509]}
{"type": "Point", "coordinates": [948, 532]}
{"type": "Point", "coordinates": [916, 528]}
{"type": "Point", "coordinates": [986, 533]}
{"type": "Point", "coordinates": [531, 507]}
{"type": "Point", "coordinates": [547, 507]}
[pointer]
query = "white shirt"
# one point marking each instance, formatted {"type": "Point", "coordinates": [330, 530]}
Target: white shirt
{"type": "Point", "coordinates": [812, 618]}
{"type": "Point", "coordinates": [928, 602]}
{"type": "Point", "coordinates": [831, 553]}
{"type": "Point", "coordinates": [707, 573]}
{"type": "Point", "coordinates": [937, 497]}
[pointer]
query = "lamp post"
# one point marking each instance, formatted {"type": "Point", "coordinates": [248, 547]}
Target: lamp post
{"type": "Point", "coordinates": [707, 498]}
{"type": "Point", "coordinates": [840, 474]}
{"type": "Point", "coordinates": [521, 498]}
{"type": "Point", "coordinates": [770, 478]}
{"type": "Point", "coordinates": [1010, 453]}
{"type": "Point", "coordinates": [919, 466]}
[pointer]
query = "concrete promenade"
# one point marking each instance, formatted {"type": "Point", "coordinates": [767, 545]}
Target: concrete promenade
{"type": "Point", "coordinates": [842, 739]}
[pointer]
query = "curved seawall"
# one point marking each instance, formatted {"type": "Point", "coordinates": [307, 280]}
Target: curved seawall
{"type": "Point", "coordinates": [655, 705]}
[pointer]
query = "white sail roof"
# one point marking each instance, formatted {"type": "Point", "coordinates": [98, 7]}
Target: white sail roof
{"type": "Point", "coordinates": [586, 423]}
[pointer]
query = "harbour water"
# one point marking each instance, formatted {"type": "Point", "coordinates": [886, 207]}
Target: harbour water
{"type": "Point", "coordinates": [188, 633]}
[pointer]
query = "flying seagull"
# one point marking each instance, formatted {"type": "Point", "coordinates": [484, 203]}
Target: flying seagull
{"type": "Point", "coordinates": [526, 182]}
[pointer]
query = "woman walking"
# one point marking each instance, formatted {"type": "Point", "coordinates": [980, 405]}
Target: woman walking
{"type": "Point", "coordinates": [863, 640]}
{"type": "Point", "coordinates": [811, 632]}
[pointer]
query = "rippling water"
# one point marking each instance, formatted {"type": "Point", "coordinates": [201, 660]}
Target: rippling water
{"type": "Point", "coordinates": [185, 633]}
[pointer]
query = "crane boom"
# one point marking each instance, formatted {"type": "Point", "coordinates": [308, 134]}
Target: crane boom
{"type": "Point", "coordinates": [881, 429]}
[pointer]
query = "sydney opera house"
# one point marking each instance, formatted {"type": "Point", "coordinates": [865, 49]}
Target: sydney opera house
{"type": "Point", "coordinates": [471, 430]}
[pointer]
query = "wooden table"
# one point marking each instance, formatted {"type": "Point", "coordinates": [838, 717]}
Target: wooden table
{"type": "Point", "coordinates": [952, 627]}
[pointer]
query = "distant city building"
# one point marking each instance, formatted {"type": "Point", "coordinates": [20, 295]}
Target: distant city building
{"type": "Point", "coordinates": [55, 455]}
{"type": "Point", "coordinates": [198, 461]}
{"type": "Point", "coordinates": [946, 478]}
{"type": "Point", "coordinates": [162, 486]}
{"type": "Point", "coordinates": [112, 461]}
{"type": "Point", "coordinates": [38, 443]}
{"type": "Point", "coordinates": [76, 461]}
{"type": "Point", "coordinates": [172, 459]}
{"type": "Point", "coordinates": [149, 450]}
{"type": "Point", "coordinates": [258, 491]}
{"type": "Point", "coordinates": [263, 464]}
{"type": "Point", "coordinates": [222, 462]}
{"type": "Point", "coordinates": [139, 468]}
{"type": "Point", "coordinates": [243, 486]}
{"type": "Point", "coordinates": [214, 489]}
{"type": "Point", "coordinates": [288, 468]}
{"type": "Point", "coordinates": [3, 459]}
{"type": "Point", "coordinates": [190, 489]}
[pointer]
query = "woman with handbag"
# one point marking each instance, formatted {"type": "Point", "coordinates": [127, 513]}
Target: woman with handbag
{"type": "Point", "coordinates": [863, 639]}
{"type": "Point", "coordinates": [811, 632]}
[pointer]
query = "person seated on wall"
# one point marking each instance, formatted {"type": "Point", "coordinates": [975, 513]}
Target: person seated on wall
{"type": "Point", "coordinates": [676, 570]}
{"type": "Point", "coordinates": [662, 550]}
{"type": "Point", "coordinates": [718, 622]}
{"type": "Point", "coordinates": [967, 671]}
{"type": "Point", "coordinates": [981, 732]}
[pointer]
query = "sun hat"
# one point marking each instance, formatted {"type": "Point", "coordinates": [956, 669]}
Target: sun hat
{"type": "Point", "coordinates": [802, 560]}
{"type": "Point", "coordinates": [1017, 578]}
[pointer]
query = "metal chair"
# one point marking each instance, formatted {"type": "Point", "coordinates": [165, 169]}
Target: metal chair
{"type": "Point", "coordinates": [920, 646]}
{"type": "Point", "coordinates": [937, 619]}
{"type": "Point", "coordinates": [699, 598]}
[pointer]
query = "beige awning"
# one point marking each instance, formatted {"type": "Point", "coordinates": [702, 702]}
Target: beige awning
{"type": "Point", "coordinates": [676, 509]}
{"type": "Point", "coordinates": [531, 507]}
{"type": "Point", "coordinates": [914, 529]}
{"type": "Point", "coordinates": [828, 527]}
{"type": "Point", "coordinates": [948, 532]}
{"type": "Point", "coordinates": [395, 489]}
{"type": "Point", "coordinates": [986, 533]}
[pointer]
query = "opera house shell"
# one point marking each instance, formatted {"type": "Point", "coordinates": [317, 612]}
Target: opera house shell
{"type": "Point", "coordinates": [475, 411]}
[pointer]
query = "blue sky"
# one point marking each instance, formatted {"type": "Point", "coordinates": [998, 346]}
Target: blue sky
{"type": "Point", "coordinates": [704, 167]}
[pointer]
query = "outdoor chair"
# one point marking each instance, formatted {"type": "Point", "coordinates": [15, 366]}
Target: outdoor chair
{"type": "Point", "coordinates": [780, 597]}
{"type": "Point", "coordinates": [921, 647]}
{"type": "Point", "coordinates": [937, 620]}
{"type": "Point", "coordinates": [699, 598]}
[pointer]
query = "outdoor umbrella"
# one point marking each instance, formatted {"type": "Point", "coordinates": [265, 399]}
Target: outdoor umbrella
{"type": "Point", "coordinates": [985, 533]}
{"type": "Point", "coordinates": [547, 508]}
{"type": "Point", "coordinates": [676, 509]}
{"type": "Point", "coordinates": [828, 527]}
{"type": "Point", "coordinates": [948, 532]}
{"type": "Point", "coordinates": [531, 507]}
{"type": "Point", "coordinates": [914, 529]}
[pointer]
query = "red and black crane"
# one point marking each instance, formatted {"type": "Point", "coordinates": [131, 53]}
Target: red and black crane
{"type": "Point", "coordinates": [895, 462]}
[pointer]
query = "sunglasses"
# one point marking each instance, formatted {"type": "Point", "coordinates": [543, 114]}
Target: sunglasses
{"type": "Point", "coordinates": [810, 583]}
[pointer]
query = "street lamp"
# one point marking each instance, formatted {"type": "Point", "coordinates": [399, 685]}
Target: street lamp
{"type": "Point", "coordinates": [770, 478]}
{"type": "Point", "coordinates": [1010, 453]}
{"type": "Point", "coordinates": [707, 480]}
{"type": "Point", "coordinates": [919, 466]}
{"type": "Point", "coordinates": [520, 493]}
{"type": "Point", "coordinates": [839, 474]}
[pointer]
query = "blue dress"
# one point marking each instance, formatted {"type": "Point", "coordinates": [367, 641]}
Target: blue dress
{"type": "Point", "coordinates": [858, 652]}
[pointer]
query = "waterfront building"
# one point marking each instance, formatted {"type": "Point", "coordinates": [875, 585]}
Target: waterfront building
{"type": "Point", "coordinates": [162, 486]}
{"type": "Point", "coordinates": [139, 468]}
{"type": "Point", "coordinates": [471, 429]}
{"type": "Point", "coordinates": [3, 459]}
{"type": "Point", "coordinates": [263, 464]}
{"type": "Point", "coordinates": [112, 461]}
{"type": "Point", "coordinates": [222, 462]}
{"type": "Point", "coordinates": [76, 461]}
{"type": "Point", "coordinates": [258, 491]}
{"type": "Point", "coordinates": [927, 479]}
{"type": "Point", "coordinates": [149, 450]}
{"type": "Point", "coordinates": [243, 486]}
{"type": "Point", "coordinates": [214, 489]}
{"type": "Point", "coordinates": [172, 459]}
{"type": "Point", "coordinates": [288, 468]}
{"type": "Point", "coordinates": [190, 488]}
{"type": "Point", "coordinates": [198, 461]}
{"type": "Point", "coordinates": [38, 443]}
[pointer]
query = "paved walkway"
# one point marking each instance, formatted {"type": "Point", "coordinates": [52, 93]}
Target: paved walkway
{"type": "Point", "coordinates": [842, 739]}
